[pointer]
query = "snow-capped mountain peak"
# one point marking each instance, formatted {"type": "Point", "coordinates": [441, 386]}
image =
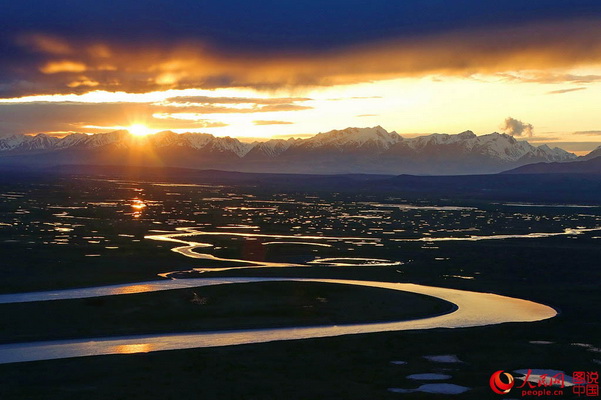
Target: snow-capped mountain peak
{"type": "Point", "coordinates": [11, 142]}
{"type": "Point", "coordinates": [227, 143]}
{"type": "Point", "coordinates": [348, 150]}
{"type": "Point", "coordinates": [73, 139]}
{"type": "Point", "coordinates": [465, 135]}
{"type": "Point", "coordinates": [273, 147]}
{"type": "Point", "coordinates": [355, 137]}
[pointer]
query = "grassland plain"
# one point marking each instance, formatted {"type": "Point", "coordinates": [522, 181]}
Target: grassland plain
{"type": "Point", "coordinates": [561, 271]}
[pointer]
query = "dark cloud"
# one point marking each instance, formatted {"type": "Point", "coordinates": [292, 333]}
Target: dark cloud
{"type": "Point", "coordinates": [267, 25]}
{"type": "Point", "coordinates": [47, 61]}
{"type": "Point", "coordinates": [516, 127]}
{"type": "Point", "coordinates": [566, 90]}
{"type": "Point", "coordinates": [589, 133]}
{"type": "Point", "coordinates": [261, 122]}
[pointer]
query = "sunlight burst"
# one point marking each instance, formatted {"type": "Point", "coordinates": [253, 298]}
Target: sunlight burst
{"type": "Point", "coordinates": [140, 130]}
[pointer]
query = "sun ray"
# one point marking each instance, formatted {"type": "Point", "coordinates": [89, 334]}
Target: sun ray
{"type": "Point", "coordinates": [140, 130]}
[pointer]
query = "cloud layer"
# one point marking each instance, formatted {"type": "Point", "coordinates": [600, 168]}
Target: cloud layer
{"type": "Point", "coordinates": [175, 113]}
{"type": "Point", "coordinates": [48, 64]}
{"type": "Point", "coordinates": [302, 49]}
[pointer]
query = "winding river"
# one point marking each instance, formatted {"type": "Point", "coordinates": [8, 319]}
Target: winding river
{"type": "Point", "coordinates": [472, 309]}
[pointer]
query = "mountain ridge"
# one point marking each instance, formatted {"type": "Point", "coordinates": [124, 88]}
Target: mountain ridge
{"type": "Point", "coordinates": [350, 150]}
{"type": "Point", "coordinates": [586, 166]}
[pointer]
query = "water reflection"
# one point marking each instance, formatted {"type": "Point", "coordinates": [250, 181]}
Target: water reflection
{"type": "Point", "coordinates": [533, 235]}
{"type": "Point", "coordinates": [101, 204]}
{"type": "Point", "coordinates": [297, 244]}
{"type": "Point", "coordinates": [355, 262]}
{"type": "Point", "coordinates": [133, 348]}
{"type": "Point", "coordinates": [251, 249]}
{"type": "Point", "coordinates": [472, 309]}
{"type": "Point", "coordinates": [130, 289]}
{"type": "Point", "coordinates": [138, 204]}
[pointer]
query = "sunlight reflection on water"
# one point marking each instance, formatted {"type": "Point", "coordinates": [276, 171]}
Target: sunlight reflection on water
{"type": "Point", "coordinates": [130, 289]}
{"type": "Point", "coordinates": [473, 309]}
{"type": "Point", "coordinates": [133, 348]}
{"type": "Point", "coordinates": [189, 247]}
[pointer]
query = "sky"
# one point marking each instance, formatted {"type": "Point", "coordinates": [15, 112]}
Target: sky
{"type": "Point", "coordinates": [263, 69]}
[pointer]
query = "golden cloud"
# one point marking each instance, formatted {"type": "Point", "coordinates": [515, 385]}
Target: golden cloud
{"type": "Point", "coordinates": [201, 100]}
{"type": "Point", "coordinates": [498, 50]}
{"type": "Point", "coordinates": [54, 67]}
{"type": "Point", "coordinates": [217, 107]}
{"type": "Point", "coordinates": [83, 81]}
{"type": "Point", "coordinates": [262, 122]}
{"type": "Point", "coordinates": [71, 116]}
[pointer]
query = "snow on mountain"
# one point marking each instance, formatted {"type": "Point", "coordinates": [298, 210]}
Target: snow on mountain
{"type": "Point", "coordinates": [200, 141]}
{"type": "Point", "coordinates": [92, 141]}
{"type": "Point", "coordinates": [354, 138]}
{"type": "Point", "coordinates": [194, 140]}
{"type": "Point", "coordinates": [228, 144]}
{"type": "Point", "coordinates": [495, 145]}
{"type": "Point", "coordinates": [441, 139]}
{"type": "Point", "coordinates": [28, 143]}
{"type": "Point", "coordinates": [272, 148]}
{"type": "Point", "coordinates": [170, 139]}
{"type": "Point", "coordinates": [123, 139]}
{"type": "Point", "coordinates": [40, 142]}
{"type": "Point", "coordinates": [502, 146]}
{"type": "Point", "coordinates": [73, 139]}
{"type": "Point", "coordinates": [555, 154]}
{"type": "Point", "coordinates": [11, 142]}
{"type": "Point", "coordinates": [371, 150]}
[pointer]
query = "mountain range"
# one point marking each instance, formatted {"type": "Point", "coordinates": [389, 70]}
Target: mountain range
{"type": "Point", "coordinates": [588, 165]}
{"type": "Point", "coordinates": [351, 150]}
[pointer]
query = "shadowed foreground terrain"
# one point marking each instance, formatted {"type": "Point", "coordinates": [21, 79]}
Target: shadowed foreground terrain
{"type": "Point", "coordinates": [86, 232]}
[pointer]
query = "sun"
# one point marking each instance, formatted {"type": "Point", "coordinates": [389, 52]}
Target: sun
{"type": "Point", "coordinates": [140, 130]}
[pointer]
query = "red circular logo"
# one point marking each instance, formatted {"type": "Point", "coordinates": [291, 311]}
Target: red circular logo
{"type": "Point", "coordinates": [497, 385]}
